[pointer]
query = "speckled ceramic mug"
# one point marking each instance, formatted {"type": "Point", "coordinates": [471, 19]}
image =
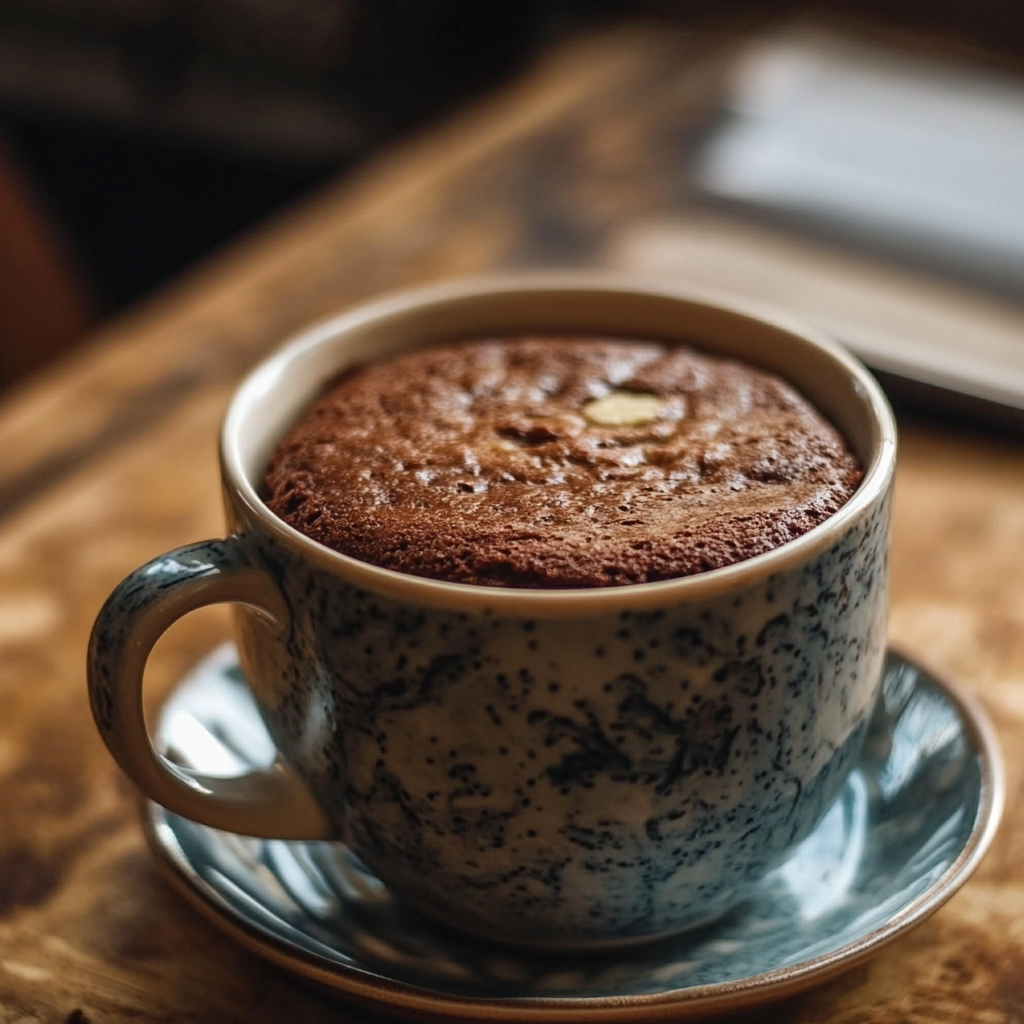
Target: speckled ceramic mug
{"type": "Point", "coordinates": [551, 768]}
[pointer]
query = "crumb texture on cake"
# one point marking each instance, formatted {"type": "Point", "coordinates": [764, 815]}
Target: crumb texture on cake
{"type": "Point", "coordinates": [477, 463]}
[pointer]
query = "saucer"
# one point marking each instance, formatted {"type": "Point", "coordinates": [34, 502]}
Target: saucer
{"type": "Point", "coordinates": [912, 823]}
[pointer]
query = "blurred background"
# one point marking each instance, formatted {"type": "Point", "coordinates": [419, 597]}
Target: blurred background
{"type": "Point", "coordinates": [138, 135]}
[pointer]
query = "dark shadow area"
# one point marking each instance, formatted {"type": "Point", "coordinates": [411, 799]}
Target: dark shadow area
{"type": "Point", "coordinates": [137, 210]}
{"type": "Point", "coordinates": [155, 134]}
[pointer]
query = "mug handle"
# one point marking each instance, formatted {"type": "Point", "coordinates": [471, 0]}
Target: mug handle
{"type": "Point", "coordinates": [271, 802]}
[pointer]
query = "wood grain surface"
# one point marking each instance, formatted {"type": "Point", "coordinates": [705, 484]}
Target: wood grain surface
{"type": "Point", "coordinates": [111, 459]}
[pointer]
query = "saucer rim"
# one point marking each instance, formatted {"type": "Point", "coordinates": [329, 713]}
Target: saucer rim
{"type": "Point", "coordinates": [410, 1001]}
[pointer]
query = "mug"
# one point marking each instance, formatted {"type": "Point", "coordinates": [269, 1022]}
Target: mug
{"type": "Point", "coordinates": [560, 769]}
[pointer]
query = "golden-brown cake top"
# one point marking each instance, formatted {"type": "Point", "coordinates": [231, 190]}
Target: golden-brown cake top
{"type": "Point", "coordinates": [558, 462]}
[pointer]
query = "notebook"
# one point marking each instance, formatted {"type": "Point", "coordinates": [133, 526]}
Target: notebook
{"type": "Point", "coordinates": [877, 194]}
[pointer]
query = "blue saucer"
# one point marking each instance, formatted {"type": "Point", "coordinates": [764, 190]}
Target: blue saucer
{"type": "Point", "coordinates": [912, 823]}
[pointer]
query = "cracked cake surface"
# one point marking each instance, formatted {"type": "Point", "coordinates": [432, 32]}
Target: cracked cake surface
{"type": "Point", "coordinates": [558, 462]}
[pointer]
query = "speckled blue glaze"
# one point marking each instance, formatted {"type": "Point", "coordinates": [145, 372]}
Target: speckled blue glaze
{"type": "Point", "coordinates": [114, 633]}
{"type": "Point", "coordinates": [908, 828]}
{"type": "Point", "coordinates": [579, 780]}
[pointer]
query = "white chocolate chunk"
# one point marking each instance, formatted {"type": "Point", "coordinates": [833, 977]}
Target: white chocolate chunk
{"type": "Point", "coordinates": [624, 409]}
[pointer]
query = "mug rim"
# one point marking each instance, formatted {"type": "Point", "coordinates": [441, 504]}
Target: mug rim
{"type": "Point", "coordinates": [243, 494]}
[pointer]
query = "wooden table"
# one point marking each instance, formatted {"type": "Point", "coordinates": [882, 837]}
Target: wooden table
{"type": "Point", "coordinates": [111, 459]}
